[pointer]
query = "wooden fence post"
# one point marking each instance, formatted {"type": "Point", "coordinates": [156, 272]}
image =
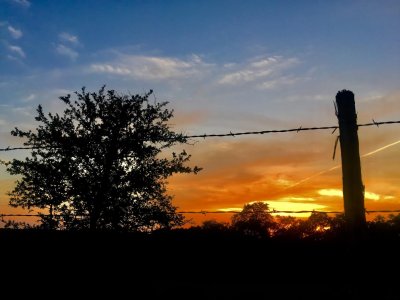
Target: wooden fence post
{"type": "Point", "coordinates": [353, 188]}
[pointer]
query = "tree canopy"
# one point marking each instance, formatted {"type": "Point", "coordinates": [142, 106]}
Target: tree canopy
{"type": "Point", "coordinates": [100, 164]}
{"type": "Point", "coordinates": [255, 219]}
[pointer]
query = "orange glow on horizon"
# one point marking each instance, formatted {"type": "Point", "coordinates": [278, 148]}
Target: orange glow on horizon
{"type": "Point", "coordinates": [243, 171]}
{"type": "Point", "coordinates": [281, 183]}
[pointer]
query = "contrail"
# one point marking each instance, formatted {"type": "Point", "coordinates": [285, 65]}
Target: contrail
{"type": "Point", "coordinates": [338, 166]}
{"type": "Point", "coordinates": [313, 176]}
{"type": "Point", "coordinates": [380, 149]}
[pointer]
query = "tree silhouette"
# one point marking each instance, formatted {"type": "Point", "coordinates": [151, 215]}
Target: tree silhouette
{"type": "Point", "coordinates": [319, 224]}
{"type": "Point", "coordinates": [212, 226]}
{"type": "Point", "coordinates": [288, 227]}
{"type": "Point", "coordinates": [101, 164]}
{"type": "Point", "coordinates": [254, 220]}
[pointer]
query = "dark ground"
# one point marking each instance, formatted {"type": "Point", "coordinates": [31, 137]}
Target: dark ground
{"type": "Point", "coordinates": [181, 265]}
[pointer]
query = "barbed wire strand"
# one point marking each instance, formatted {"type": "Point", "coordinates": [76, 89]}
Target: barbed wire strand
{"type": "Point", "coordinates": [298, 129]}
{"type": "Point", "coordinates": [233, 134]}
{"type": "Point", "coordinates": [271, 212]}
{"type": "Point", "coordinates": [205, 212]}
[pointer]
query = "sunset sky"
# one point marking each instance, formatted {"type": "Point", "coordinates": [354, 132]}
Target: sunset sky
{"type": "Point", "coordinates": [224, 66]}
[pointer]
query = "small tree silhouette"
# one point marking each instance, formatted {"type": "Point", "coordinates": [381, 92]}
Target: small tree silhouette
{"type": "Point", "coordinates": [254, 220]}
{"type": "Point", "coordinates": [98, 165]}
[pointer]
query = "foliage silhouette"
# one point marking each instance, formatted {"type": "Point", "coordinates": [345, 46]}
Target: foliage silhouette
{"type": "Point", "coordinates": [316, 226]}
{"type": "Point", "coordinates": [288, 228]}
{"type": "Point", "coordinates": [254, 220]}
{"type": "Point", "coordinates": [101, 164]}
{"type": "Point", "coordinates": [214, 226]}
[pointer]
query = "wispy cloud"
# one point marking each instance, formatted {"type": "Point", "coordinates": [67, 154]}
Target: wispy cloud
{"type": "Point", "coordinates": [29, 98]}
{"type": "Point", "coordinates": [261, 73]}
{"type": "Point", "coordinates": [66, 51]}
{"type": "Point", "coordinates": [18, 50]}
{"type": "Point", "coordinates": [24, 3]}
{"type": "Point", "coordinates": [152, 67]}
{"type": "Point", "coordinates": [108, 68]}
{"type": "Point", "coordinates": [14, 32]}
{"type": "Point", "coordinates": [69, 51]}
{"type": "Point", "coordinates": [265, 72]}
{"type": "Point", "coordinates": [274, 83]}
{"type": "Point", "coordinates": [68, 38]}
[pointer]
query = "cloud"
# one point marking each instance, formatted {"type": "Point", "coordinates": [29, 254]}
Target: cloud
{"type": "Point", "coordinates": [331, 192]}
{"type": "Point", "coordinates": [66, 51]}
{"type": "Point", "coordinates": [68, 38]}
{"type": "Point", "coordinates": [152, 67]}
{"type": "Point", "coordinates": [339, 193]}
{"type": "Point", "coordinates": [11, 57]}
{"type": "Point", "coordinates": [273, 83]}
{"type": "Point", "coordinates": [372, 196]}
{"type": "Point", "coordinates": [18, 50]}
{"type": "Point", "coordinates": [108, 68]}
{"type": "Point", "coordinates": [15, 33]}
{"type": "Point", "coordinates": [264, 72]}
{"type": "Point", "coordinates": [29, 98]}
{"type": "Point", "coordinates": [24, 3]}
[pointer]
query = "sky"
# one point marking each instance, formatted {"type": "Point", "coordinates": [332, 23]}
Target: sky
{"type": "Point", "coordinates": [224, 66]}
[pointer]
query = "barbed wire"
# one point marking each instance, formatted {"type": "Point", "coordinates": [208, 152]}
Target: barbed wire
{"type": "Point", "coordinates": [271, 212]}
{"type": "Point", "coordinates": [374, 123]}
{"type": "Point", "coordinates": [205, 212]}
{"type": "Point", "coordinates": [298, 129]}
{"type": "Point", "coordinates": [233, 134]}
{"type": "Point", "coordinates": [22, 148]}
{"type": "Point", "coordinates": [381, 211]}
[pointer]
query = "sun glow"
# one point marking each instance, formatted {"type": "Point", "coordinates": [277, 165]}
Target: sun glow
{"type": "Point", "coordinates": [294, 206]}
{"type": "Point", "coordinates": [331, 192]}
{"type": "Point", "coordinates": [229, 209]}
{"type": "Point", "coordinates": [339, 193]}
{"type": "Point", "coordinates": [285, 205]}
{"type": "Point", "coordinates": [371, 196]}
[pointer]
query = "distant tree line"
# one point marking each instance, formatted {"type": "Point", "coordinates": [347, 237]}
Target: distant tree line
{"type": "Point", "coordinates": [255, 220]}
